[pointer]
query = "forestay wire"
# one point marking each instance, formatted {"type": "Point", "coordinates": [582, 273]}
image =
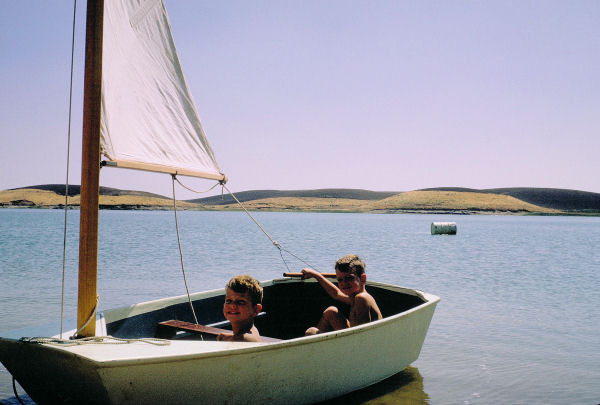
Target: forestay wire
{"type": "Point", "coordinates": [64, 258]}
{"type": "Point", "coordinates": [274, 242]}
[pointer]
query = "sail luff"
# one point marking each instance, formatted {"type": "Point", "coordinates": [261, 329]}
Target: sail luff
{"type": "Point", "coordinates": [90, 170]}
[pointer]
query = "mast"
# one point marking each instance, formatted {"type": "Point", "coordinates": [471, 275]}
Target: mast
{"type": "Point", "coordinates": [90, 169]}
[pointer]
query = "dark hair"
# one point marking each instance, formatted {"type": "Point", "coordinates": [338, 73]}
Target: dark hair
{"type": "Point", "coordinates": [245, 283]}
{"type": "Point", "coordinates": [351, 264]}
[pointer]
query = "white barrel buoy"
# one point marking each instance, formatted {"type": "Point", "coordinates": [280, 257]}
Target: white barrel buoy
{"type": "Point", "coordinates": [441, 228]}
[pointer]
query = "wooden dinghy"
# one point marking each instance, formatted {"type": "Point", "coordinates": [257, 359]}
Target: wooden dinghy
{"type": "Point", "coordinates": [195, 368]}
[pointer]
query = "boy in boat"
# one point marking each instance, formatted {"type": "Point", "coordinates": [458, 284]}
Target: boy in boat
{"type": "Point", "coordinates": [351, 277]}
{"type": "Point", "coordinates": [243, 301]}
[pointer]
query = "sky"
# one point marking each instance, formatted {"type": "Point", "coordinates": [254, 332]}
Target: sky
{"type": "Point", "coordinates": [378, 95]}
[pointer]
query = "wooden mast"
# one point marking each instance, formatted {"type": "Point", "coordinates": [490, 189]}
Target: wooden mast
{"type": "Point", "coordinates": [90, 169]}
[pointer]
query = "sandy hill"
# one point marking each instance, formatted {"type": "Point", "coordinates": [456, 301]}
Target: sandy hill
{"type": "Point", "coordinates": [473, 202]}
{"type": "Point", "coordinates": [75, 189]}
{"type": "Point", "coordinates": [439, 200]}
{"type": "Point", "coordinates": [53, 196]}
{"type": "Point", "coordinates": [408, 202]}
{"type": "Point", "coordinates": [254, 195]}
{"type": "Point", "coordinates": [522, 199]}
{"type": "Point", "coordinates": [560, 199]}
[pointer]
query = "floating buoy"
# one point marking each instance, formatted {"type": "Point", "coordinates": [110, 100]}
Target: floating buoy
{"type": "Point", "coordinates": [443, 228]}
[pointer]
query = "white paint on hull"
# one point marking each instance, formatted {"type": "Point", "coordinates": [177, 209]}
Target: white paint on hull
{"type": "Point", "coordinates": [301, 370]}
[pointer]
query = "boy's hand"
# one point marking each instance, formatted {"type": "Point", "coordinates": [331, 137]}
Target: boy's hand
{"type": "Point", "coordinates": [307, 273]}
{"type": "Point", "coordinates": [225, 337]}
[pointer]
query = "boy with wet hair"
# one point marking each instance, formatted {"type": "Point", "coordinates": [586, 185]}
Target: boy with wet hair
{"type": "Point", "coordinates": [243, 301]}
{"type": "Point", "coordinates": [351, 277]}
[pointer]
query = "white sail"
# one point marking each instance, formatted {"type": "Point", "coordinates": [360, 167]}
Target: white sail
{"type": "Point", "coordinates": [149, 120]}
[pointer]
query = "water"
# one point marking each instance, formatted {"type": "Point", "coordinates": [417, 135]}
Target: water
{"type": "Point", "coordinates": [518, 321]}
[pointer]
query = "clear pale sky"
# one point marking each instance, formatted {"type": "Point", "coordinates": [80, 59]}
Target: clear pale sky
{"type": "Point", "coordinates": [379, 95]}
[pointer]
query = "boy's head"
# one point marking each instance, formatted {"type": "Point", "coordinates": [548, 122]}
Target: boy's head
{"type": "Point", "coordinates": [350, 274]}
{"type": "Point", "coordinates": [351, 264]}
{"type": "Point", "coordinates": [247, 284]}
{"type": "Point", "coordinates": [243, 299]}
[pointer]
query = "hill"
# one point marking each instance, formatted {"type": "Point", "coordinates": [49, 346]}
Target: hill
{"type": "Point", "coordinates": [344, 193]}
{"type": "Point", "coordinates": [460, 202]}
{"type": "Point", "coordinates": [407, 202]}
{"type": "Point", "coordinates": [569, 201]}
{"type": "Point", "coordinates": [53, 196]}
{"type": "Point", "coordinates": [76, 190]}
{"type": "Point", "coordinates": [438, 200]}
{"type": "Point", "coordinates": [560, 199]}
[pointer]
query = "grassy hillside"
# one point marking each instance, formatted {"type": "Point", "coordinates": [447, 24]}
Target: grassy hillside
{"type": "Point", "coordinates": [560, 199]}
{"type": "Point", "coordinates": [571, 200]}
{"type": "Point", "coordinates": [440, 200]}
{"type": "Point", "coordinates": [76, 190]}
{"type": "Point", "coordinates": [409, 202]}
{"type": "Point", "coordinates": [299, 204]}
{"type": "Point", "coordinates": [425, 201]}
{"type": "Point", "coordinates": [254, 195]}
{"type": "Point", "coordinates": [109, 199]}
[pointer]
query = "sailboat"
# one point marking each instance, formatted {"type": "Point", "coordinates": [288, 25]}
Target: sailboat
{"type": "Point", "coordinates": [139, 114]}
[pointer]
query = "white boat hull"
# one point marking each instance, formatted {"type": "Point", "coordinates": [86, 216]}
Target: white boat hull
{"type": "Point", "coordinates": [295, 371]}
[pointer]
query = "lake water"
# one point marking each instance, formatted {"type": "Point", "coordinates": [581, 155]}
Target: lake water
{"type": "Point", "coordinates": [518, 321]}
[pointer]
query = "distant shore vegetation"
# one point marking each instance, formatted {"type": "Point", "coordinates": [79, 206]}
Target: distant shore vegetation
{"type": "Point", "coordinates": [446, 200]}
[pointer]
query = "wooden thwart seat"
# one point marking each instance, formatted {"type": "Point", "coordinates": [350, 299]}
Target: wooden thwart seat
{"type": "Point", "coordinates": [168, 329]}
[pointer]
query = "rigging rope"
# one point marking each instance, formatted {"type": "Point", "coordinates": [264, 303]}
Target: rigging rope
{"type": "Point", "coordinates": [275, 243]}
{"type": "Point", "coordinates": [181, 252]}
{"type": "Point", "coordinates": [92, 316]}
{"type": "Point", "coordinates": [107, 340]}
{"type": "Point", "coordinates": [64, 258]}
{"type": "Point", "coordinates": [192, 190]}
{"type": "Point", "coordinates": [15, 391]}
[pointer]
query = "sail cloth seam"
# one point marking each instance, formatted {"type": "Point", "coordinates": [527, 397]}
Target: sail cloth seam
{"type": "Point", "coordinates": [142, 12]}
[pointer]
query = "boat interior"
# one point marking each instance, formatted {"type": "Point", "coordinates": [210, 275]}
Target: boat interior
{"type": "Point", "coordinates": [289, 308]}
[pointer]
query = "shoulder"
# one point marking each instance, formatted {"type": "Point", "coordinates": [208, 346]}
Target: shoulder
{"type": "Point", "coordinates": [364, 302]}
{"type": "Point", "coordinates": [364, 298]}
{"type": "Point", "coordinates": [252, 336]}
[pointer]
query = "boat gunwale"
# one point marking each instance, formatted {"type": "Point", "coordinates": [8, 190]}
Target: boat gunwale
{"type": "Point", "coordinates": [116, 314]}
{"type": "Point", "coordinates": [252, 346]}
{"type": "Point", "coordinates": [239, 348]}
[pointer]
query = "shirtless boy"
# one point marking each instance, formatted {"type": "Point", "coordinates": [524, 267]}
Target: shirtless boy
{"type": "Point", "coordinates": [351, 277]}
{"type": "Point", "coordinates": [243, 301]}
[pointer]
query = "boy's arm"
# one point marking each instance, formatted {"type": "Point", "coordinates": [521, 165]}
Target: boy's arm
{"type": "Point", "coordinates": [330, 288]}
{"type": "Point", "coordinates": [251, 336]}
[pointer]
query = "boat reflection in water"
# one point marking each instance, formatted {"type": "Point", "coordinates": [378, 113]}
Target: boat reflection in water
{"type": "Point", "coordinates": [405, 387]}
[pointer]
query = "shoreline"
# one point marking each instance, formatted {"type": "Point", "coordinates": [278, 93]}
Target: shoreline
{"type": "Point", "coordinates": [418, 211]}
